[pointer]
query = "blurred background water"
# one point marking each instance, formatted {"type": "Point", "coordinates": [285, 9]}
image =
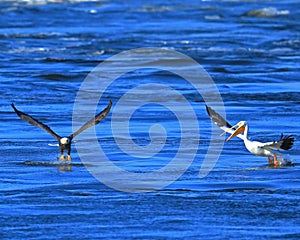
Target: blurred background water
{"type": "Point", "coordinates": [250, 49]}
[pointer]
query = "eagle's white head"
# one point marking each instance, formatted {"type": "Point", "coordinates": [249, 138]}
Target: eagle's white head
{"type": "Point", "coordinates": [64, 140]}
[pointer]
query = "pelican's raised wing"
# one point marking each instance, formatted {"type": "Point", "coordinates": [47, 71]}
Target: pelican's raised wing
{"type": "Point", "coordinates": [218, 119]}
{"type": "Point", "coordinates": [27, 118]}
{"type": "Point", "coordinates": [95, 120]}
{"type": "Point", "coordinates": [221, 122]}
{"type": "Point", "coordinates": [284, 143]}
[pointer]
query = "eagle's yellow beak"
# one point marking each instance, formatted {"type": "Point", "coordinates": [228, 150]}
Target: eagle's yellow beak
{"type": "Point", "coordinates": [239, 130]}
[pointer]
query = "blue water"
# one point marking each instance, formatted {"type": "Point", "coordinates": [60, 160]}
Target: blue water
{"type": "Point", "coordinates": [249, 48]}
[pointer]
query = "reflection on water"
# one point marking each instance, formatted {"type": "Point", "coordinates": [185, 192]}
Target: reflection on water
{"type": "Point", "coordinates": [63, 166]}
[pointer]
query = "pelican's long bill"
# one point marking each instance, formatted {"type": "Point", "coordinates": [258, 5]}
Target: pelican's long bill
{"type": "Point", "coordinates": [239, 130]}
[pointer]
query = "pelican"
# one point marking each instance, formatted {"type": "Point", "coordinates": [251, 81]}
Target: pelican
{"type": "Point", "coordinates": [64, 143]}
{"type": "Point", "coordinates": [268, 149]}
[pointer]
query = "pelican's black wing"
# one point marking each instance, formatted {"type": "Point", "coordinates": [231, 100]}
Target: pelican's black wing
{"type": "Point", "coordinates": [95, 120]}
{"type": "Point", "coordinates": [284, 143]}
{"type": "Point", "coordinates": [26, 117]}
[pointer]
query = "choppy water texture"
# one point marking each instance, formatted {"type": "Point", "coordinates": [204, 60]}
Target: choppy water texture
{"type": "Point", "coordinates": [251, 50]}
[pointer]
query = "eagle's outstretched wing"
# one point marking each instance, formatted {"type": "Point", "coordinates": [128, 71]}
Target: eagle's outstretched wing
{"type": "Point", "coordinates": [95, 120]}
{"type": "Point", "coordinates": [27, 118]}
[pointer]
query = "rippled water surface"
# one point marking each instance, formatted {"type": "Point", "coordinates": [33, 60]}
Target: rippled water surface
{"type": "Point", "coordinates": [251, 51]}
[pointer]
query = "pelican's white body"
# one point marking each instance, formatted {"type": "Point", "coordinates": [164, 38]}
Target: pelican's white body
{"type": "Point", "coordinates": [254, 147]}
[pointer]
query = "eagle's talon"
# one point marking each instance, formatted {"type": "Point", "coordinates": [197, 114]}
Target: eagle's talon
{"type": "Point", "coordinates": [61, 158]}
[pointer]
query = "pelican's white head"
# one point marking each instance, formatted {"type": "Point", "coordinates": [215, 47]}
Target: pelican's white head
{"type": "Point", "coordinates": [241, 126]}
{"type": "Point", "coordinates": [64, 140]}
{"type": "Point", "coordinates": [241, 123]}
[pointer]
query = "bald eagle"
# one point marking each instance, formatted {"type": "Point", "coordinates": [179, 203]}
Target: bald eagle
{"type": "Point", "coordinates": [63, 142]}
